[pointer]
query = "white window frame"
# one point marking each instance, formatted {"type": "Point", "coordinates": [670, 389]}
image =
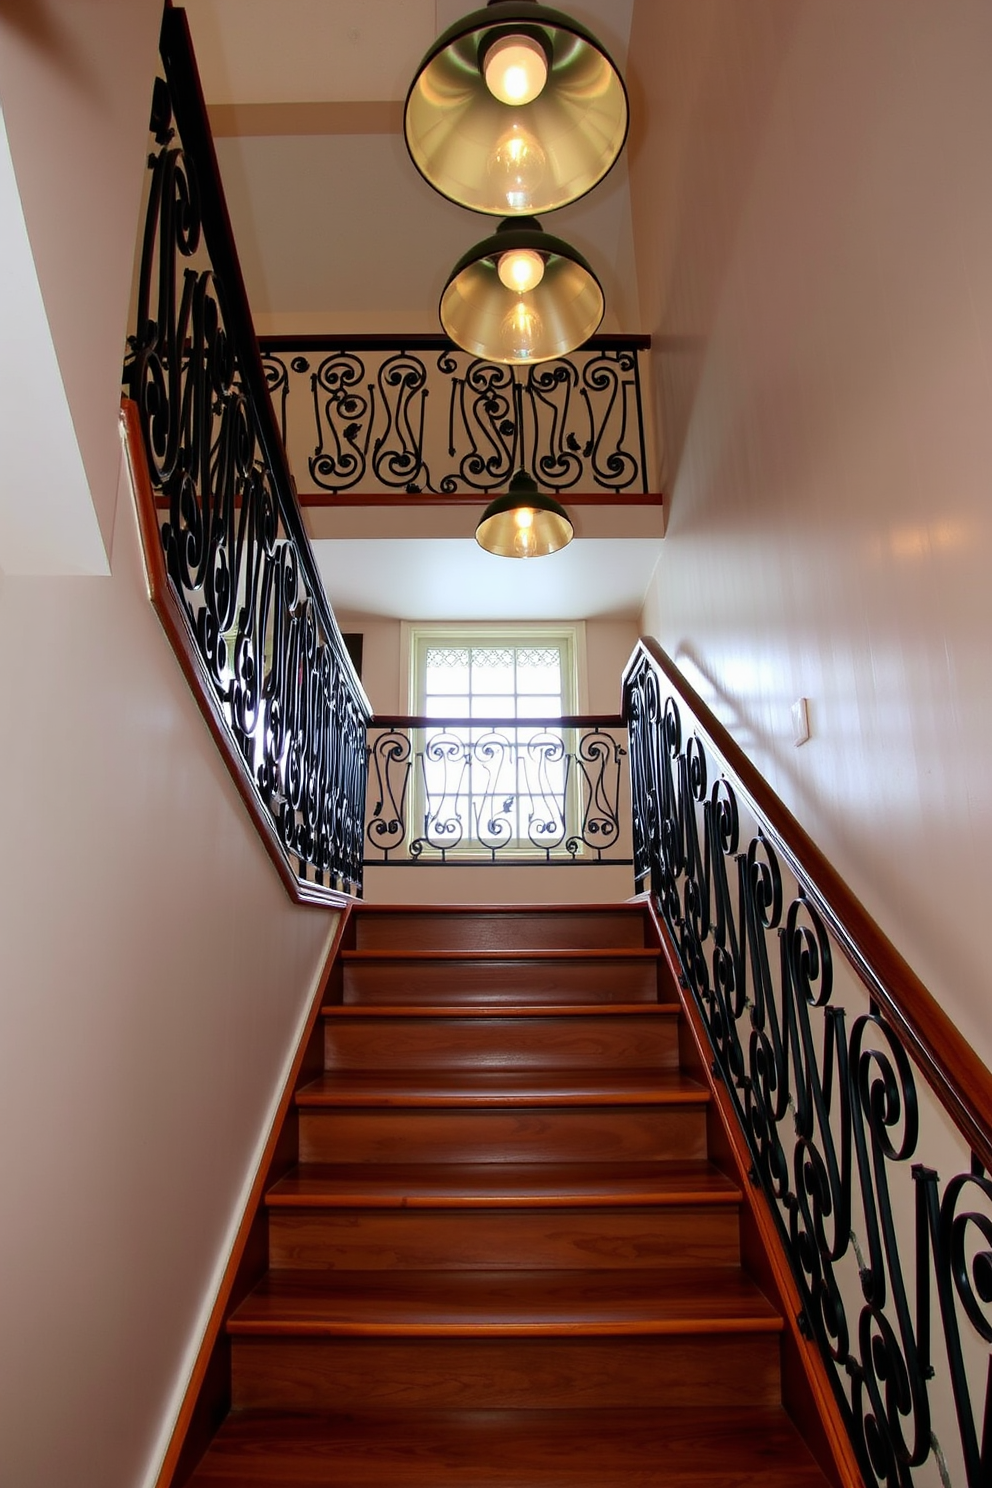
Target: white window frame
{"type": "Point", "coordinates": [416, 635]}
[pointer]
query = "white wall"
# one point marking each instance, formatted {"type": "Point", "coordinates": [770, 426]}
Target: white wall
{"type": "Point", "coordinates": [608, 646]}
{"type": "Point", "coordinates": [154, 978]}
{"type": "Point", "coordinates": [813, 220]}
{"type": "Point", "coordinates": [75, 91]}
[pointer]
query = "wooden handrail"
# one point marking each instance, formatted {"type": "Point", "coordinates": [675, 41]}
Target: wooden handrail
{"type": "Point", "coordinates": [419, 341]}
{"type": "Point", "coordinates": [959, 1079]}
{"type": "Point", "coordinates": [571, 720]}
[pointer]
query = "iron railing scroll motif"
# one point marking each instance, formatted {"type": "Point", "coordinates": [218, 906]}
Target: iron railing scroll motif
{"type": "Point", "coordinates": [894, 1266]}
{"type": "Point", "coordinates": [419, 416]}
{"type": "Point", "coordinates": [482, 791]}
{"type": "Point", "coordinates": [239, 565]}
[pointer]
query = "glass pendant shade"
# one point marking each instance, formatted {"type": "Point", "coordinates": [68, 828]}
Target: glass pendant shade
{"type": "Point", "coordinates": [485, 314]}
{"type": "Point", "coordinates": [524, 523]}
{"type": "Point", "coordinates": [508, 157]}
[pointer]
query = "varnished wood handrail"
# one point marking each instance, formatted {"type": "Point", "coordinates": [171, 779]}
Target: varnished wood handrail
{"type": "Point", "coordinates": [959, 1079]}
{"type": "Point", "coordinates": [570, 720]}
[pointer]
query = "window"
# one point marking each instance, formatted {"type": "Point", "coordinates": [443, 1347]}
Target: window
{"type": "Point", "coordinates": [499, 785]}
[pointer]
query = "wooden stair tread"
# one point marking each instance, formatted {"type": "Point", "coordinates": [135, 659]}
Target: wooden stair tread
{"type": "Point", "coordinates": [701, 1448]}
{"type": "Point", "coordinates": [501, 1087]}
{"type": "Point", "coordinates": [503, 1185]}
{"type": "Point", "coordinates": [523, 911]}
{"type": "Point", "coordinates": [504, 1304]}
{"type": "Point", "coordinates": [348, 1010]}
{"type": "Point", "coordinates": [540, 953]}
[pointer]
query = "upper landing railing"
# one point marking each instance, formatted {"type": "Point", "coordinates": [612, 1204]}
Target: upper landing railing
{"type": "Point", "coordinates": [230, 566]}
{"type": "Point", "coordinates": [471, 792]}
{"type": "Point", "coordinates": [843, 1072]}
{"type": "Point", "coordinates": [379, 417]}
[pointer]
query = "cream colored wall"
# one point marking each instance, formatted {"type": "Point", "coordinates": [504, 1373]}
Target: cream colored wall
{"type": "Point", "coordinates": [813, 221]}
{"type": "Point", "coordinates": [75, 89]}
{"type": "Point", "coordinates": [608, 646]}
{"type": "Point", "coordinates": [154, 979]}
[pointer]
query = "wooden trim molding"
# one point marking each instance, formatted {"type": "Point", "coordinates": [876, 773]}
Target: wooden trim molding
{"type": "Point", "coordinates": [176, 627]}
{"type": "Point", "coordinates": [807, 1391]}
{"type": "Point", "coordinates": [950, 1066]}
{"type": "Point", "coordinates": [207, 1398]}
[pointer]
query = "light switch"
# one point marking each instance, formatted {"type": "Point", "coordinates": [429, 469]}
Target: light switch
{"type": "Point", "coordinates": [800, 721]}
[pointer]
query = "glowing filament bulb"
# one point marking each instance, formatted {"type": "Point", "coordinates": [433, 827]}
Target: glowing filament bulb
{"type": "Point", "coordinates": [517, 167]}
{"type": "Point", "coordinates": [521, 269]}
{"type": "Point", "coordinates": [521, 331]}
{"type": "Point", "coordinates": [516, 70]}
{"type": "Point", "coordinates": [524, 539]}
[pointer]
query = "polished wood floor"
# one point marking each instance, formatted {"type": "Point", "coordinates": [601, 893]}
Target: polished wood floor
{"type": "Point", "coordinates": [504, 1256]}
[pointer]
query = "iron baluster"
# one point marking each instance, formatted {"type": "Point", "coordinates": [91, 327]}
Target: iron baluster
{"type": "Point", "coordinates": [828, 1100]}
{"type": "Point", "coordinates": [480, 791]}
{"type": "Point", "coordinates": [267, 653]}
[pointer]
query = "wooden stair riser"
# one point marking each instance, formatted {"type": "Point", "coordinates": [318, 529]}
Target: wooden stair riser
{"type": "Point", "coordinates": [731, 1369]}
{"type": "Point", "coordinates": [624, 1042]}
{"type": "Point", "coordinates": [427, 930]}
{"type": "Point", "coordinates": [530, 1134]}
{"type": "Point", "coordinates": [657, 1448]}
{"type": "Point", "coordinates": [518, 981]}
{"type": "Point", "coordinates": [459, 1239]}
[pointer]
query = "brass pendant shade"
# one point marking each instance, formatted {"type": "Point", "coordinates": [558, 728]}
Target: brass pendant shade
{"type": "Point", "coordinates": [525, 523]}
{"type": "Point", "coordinates": [510, 157]}
{"type": "Point", "coordinates": [487, 310]}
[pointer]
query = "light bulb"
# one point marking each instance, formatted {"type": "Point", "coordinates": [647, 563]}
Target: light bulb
{"type": "Point", "coordinates": [516, 70]}
{"type": "Point", "coordinates": [521, 269]}
{"type": "Point", "coordinates": [516, 168]}
{"type": "Point", "coordinates": [521, 331]}
{"type": "Point", "coordinates": [524, 539]}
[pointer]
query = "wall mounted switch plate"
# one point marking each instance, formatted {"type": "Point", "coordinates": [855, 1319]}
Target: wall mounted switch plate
{"type": "Point", "coordinates": [800, 721]}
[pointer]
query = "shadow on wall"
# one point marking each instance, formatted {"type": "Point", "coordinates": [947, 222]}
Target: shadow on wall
{"type": "Point", "coordinates": [40, 29]}
{"type": "Point", "coordinates": [703, 80]}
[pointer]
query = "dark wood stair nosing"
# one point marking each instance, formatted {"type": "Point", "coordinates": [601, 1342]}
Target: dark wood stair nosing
{"type": "Point", "coordinates": [495, 1011]}
{"type": "Point", "coordinates": [449, 1190]}
{"type": "Point", "coordinates": [471, 1088]}
{"type": "Point", "coordinates": [365, 957]}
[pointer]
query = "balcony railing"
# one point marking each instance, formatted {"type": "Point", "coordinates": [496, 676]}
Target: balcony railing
{"type": "Point", "coordinates": [842, 1071]}
{"type": "Point", "coordinates": [230, 566]}
{"type": "Point", "coordinates": [477, 791]}
{"type": "Point", "coordinates": [417, 417]}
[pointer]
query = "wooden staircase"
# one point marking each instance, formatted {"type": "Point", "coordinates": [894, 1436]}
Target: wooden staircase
{"type": "Point", "coordinates": [504, 1257]}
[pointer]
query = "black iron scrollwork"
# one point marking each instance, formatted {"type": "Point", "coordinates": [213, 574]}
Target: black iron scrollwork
{"type": "Point", "coordinates": [830, 1105]}
{"type": "Point", "coordinates": [534, 791]}
{"type": "Point", "coordinates": [238, 561]}
{"type": "Point", "coordinates": [399, 418]}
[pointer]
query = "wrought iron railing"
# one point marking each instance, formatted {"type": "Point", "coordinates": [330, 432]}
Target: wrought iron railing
{"type": "Point", "coordinates": [240, 587]}
{"type": "Point", "coordinates": [820, 1032]}
{"type": "Point", "coordinates": [364, 415]}
{"type": "Point", "coordinates": [482, 791]}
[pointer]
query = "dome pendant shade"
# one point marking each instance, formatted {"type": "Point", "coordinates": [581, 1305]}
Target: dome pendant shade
{"type": "Point", "coordinates": [492, 319]}
{"type": "Point", "coordinates": [524, 523]}
{"type": "Point", "coordinates": [505, 158]}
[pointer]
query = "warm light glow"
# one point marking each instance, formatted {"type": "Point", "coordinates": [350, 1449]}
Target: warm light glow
{"type": "Point", "coordinates": [521, 331]}
{"type": "Point", "coordinates": [524, 539]}
{"type": "Point", "coordinates": [516, 70]}
{"type": "Point", "coordinates": [521, 269]}
{"type": "Point", "coordinates": [516, 168]}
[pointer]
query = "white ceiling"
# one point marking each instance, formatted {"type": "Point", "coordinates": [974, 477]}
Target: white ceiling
{"type": "Point", "coordinates": [337, 232]}
{"type": "Point", "coordinates": [443, 579]}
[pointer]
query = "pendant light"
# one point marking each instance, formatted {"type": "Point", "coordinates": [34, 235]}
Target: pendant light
{"type": "Point", "coordinates": [521, 296]}
{"type": "Point", "coordinates": [517, 108]}
{"type": "Point", "coordinates": [525, 523]}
